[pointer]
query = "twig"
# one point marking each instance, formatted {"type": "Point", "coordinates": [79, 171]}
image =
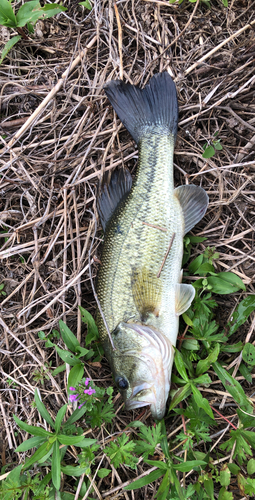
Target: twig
{"type": "Point", "coordinates": [222, 416]}
{"type": "Point", "coordinates": [167, 252]}
{"type": "Point", "coordinates": [117, 488]}
{"type": "Point", "coordinates": [156, 227]}
{"type": "Point", "coordinates": [215, 49]}
{"type": "Point", "coordinates": [119, 38]}
{"type": "Point", "coordinates": [52, 93]}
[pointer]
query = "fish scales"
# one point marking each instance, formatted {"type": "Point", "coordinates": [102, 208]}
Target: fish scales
{"type": "Point", "coordinates": [129, 244]}
{"type": "Point", "coordinates": [142, 306]}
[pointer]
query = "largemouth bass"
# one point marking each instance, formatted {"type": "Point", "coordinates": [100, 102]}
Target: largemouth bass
{"type": "Point", "coordinates": [139, 283]}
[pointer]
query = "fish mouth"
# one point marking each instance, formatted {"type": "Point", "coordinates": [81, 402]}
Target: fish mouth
{"type": "Point", "coordinates": [145, 395]}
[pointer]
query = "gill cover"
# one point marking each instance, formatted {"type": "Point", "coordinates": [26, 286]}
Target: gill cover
{"type": "Point", "coordinates": [142, 365]}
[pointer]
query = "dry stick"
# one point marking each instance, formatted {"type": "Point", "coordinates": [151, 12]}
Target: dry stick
{"type": "Point", "coordinates": [70, 283]}
{"type": "Point", "coordinates": [5, 327]}
{"type": "Point", "coordinates": [52, 92]}
{"type": "Point", "coordinates": [119, 38]}
{"type": "Point", "coordinates": [234, 35]}
{"type": "Point", "coordinates": [167, 252]}
{"type": "Point", "coordinates": [156, 227]}
{"type": "Point", "coordinates": [184, 29]}
{"type": "Point", "coordinates": [92, 284]}
{"type": "Point", "coordinates": [117, 488]}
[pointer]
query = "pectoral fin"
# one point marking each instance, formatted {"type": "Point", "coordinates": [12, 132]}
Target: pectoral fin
{"type": "Point", "coordinates": [194, 202]}
{"type": "Point", "coordinates": [147, 291]}
{"type": "Point", "coordinates": [184, 295]}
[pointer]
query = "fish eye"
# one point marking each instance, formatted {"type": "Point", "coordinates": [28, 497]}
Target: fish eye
{"type": "Point", "coordinates": [121, 382]}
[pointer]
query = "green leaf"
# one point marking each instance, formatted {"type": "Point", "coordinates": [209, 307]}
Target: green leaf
{"type": "Point", "coordinates": [82, 351]}
{"type": "Point", "coordinates": [233, 279]}
{"type": "Point", "coordinates": [85, 442]}
{"type": "Point", "coordinates": [202, 402]}
{"type": "Point", "coordinates": [69, 440]}
{"type": "Point", "coordinates": [59, 369]}
{"type": "Point", "coordinates": [68, 337]}
{"type": "Point", "coordinates": [234, 469]}
{"type": "Point", "coordinates": [232, 348]}
{"type": "Point", "coordinates": [251, 466]}
{"type": "Point", "coordinates": [67, 357]}
{"type": "Point", "coordinates": [29, 12]}
{"type": "Point", "coordinates": [187, 466]}
{"type": "Point", "coordinates": [86, 4]}
{"type": "Point", "coordinates": [217, 145]}
{"type": "Point", "coordinates": [241, 314]}
{"type": "Point", "coordinates": [75, 375]}
{"type": "Point", "coordinates": [7, 16]}
{"type": "Point", "coordinates": [249, 487]}
{"type": "Point", "coordinates": [187, 320]}
{"type": "Point", "coordinates": [208, 152]}
{"type": "Point", "coordinates": [143, 481]}
{"type": "Point", "coordinates": [157, 463]}
{"type": "Point", "coordinates": [77, 414]}
{"type": "Point", "coordinates": [249, 354]}
{"type": "Point", "coordinates": [204, 379]}
{"type": "Point", "coordinates": [42, 410]}
{"type": "Point", "coordinates": [59, 418]}
{"type": "Point", "coordinates": [50, 10]}
{"type": "Point", "coordinates": [191, 345]}
{"type": "Point", "coordinates": [39, 454]}
{"type": "Point", "coordinates": [204, 269]}
{"type": "Point", "coordinates": [204, 364]}
{"type": "Point", "coordinates": [36, 431]}
{"type": "Point", "coordinates": [30, 443]}
{"type": "Point", "coordinates": [92, 328]}
{"type": "Point", "coordinates": [225, 495]}
{"type": "Point", "coordinates": [69, 470]}
{"type": "Point", "coordinates": [233, 387]}
{"type": "Point", "coordinates": [225, 476]}
{"type": "Point", "coordinates": [120, 451]}
{"type": "Point", "coordinates": [55, 466]}
{"type": "Point", "coordinates": [195, 264]}
{"type": "Point", "coordinates": [8, 46]}
{"type": "Point", "coordinates": [209, 488]}
{"type": "Point", "coordinates": [103, 473]}
{"type": "Point", "coordinates": [181, 394]}
{"type": "Point", "coordinates": [180, 366]}
{"type": "Point", "coordinates": [225, 283]}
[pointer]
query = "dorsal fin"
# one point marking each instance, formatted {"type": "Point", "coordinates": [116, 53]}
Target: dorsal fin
{"type": "Point", "coordinates": [112, 192]}
{"type": "Point", "coordinates": [194, 202]}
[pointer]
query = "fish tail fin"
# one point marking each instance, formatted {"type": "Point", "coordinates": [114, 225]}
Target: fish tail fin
{"type": "Point", "coordinates": [138, 109]}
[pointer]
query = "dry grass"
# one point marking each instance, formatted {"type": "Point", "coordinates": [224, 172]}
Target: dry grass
{"type": "Point", "coordinates": [49, 171]}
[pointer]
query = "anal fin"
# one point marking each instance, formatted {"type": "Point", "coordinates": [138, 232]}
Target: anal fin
{"type": "Point", "coordinates": [184, 294]}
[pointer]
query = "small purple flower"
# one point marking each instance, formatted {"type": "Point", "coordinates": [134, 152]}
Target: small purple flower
{"type": "Point", "coordinates": [89, 391]}
{"type": "Point", "coordinates": [87, 381]}
{"type": "Point", "coordinates": [71, 388]}
{"type": "Point", "coordinates": [81, 405]}
{"type": "Point", "coordinates": [73, 397]}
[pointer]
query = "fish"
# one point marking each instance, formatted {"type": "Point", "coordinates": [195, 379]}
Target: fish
{"type": "Point", "coordinates": [139, 285]}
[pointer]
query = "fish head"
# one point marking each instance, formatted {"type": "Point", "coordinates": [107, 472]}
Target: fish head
{"type": "Point", "coordinates": [142, 364]}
